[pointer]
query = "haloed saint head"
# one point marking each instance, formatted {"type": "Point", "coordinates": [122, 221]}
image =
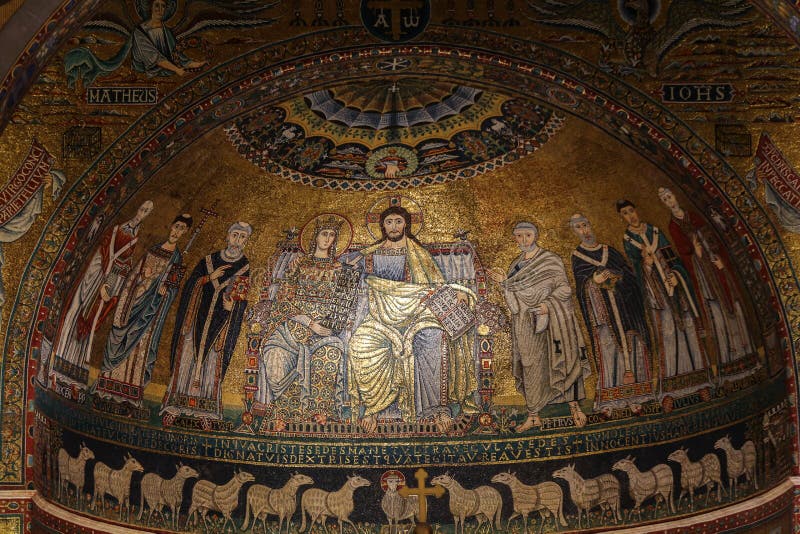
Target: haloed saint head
{"type": "Point", "coordinates": [326, 236]}
{"type": "Point", "coordinates": [157, 9]}
{"type": "Point", "coordinates": [324, 241]}
{"type": "Point", "coordinates": [396, 223]}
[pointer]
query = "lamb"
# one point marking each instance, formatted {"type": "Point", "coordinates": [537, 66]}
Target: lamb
{"type": "Point", "coordinates": [263, 501]}
{"type": "Point", "coordinates": [158, 492]}
{"type": "Point", "coordinates": [657, 483]}
{"type": "Point", "coordinates": [223, 498]}
{"type": "Point", "coordinates": [740, 461]}
{"type": "Point", "coordinates": [396, 507]}
{"type": "Point", "coordinates": [589, 493]}
{"type": "Point", "coordinates": [481, 502]}
{"type": "Point", "coordinates": [706, 472]}
{"type": "Point", "coordinates": [115, 482]}
{"type": "Point", "coordinates": [73, 471]}
{"type": "Point", "coordinates": [546, 498]}
{"type": "Point", "coordinates": [320, 504]}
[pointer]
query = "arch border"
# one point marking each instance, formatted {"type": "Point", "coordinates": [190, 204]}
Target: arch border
{"type": "Point", "coordinates": [569, 83]}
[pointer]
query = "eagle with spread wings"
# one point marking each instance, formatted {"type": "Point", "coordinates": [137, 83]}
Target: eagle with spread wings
{"type": "Point", "coordinates": [632, 28]}
{"type": "Point", "coordinates": [153, 42]}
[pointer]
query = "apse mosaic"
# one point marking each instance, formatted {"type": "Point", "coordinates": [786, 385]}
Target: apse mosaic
{"type": "Point", "coordinates": [330, 363]}
{"type": "Point", "coordinates": [374, 264]}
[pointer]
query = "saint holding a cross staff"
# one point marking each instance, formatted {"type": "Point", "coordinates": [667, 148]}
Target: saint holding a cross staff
{"type": "Point", "coordinates": [207, 326]}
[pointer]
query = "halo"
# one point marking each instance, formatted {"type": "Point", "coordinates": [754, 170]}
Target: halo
{"type": "Point", "coordinates": [143, 9]}
{"type": "Point", "coordinates": [345, 233]}
{"type": "Point", "coordinates": [392, 473]}
{"type": "Point", "coordinates": [373, 217]}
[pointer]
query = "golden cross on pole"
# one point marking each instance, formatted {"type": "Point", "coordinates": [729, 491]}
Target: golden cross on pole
{"type": "Point", "coordinates": [394, 7]}
{"type": "Point", "coordinates": [422, 492]}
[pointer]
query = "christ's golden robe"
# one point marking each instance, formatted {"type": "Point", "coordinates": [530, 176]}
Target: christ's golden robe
{"type": "Point", "coordinates": [392, 356]}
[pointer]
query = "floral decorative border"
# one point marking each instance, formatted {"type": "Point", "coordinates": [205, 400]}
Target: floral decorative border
{"type": "Point", "coordinates": [265, 75]}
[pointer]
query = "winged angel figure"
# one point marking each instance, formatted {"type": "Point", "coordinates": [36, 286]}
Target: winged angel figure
{"type": "Point", "coordinates": [630, 25]}
{"type": "Point", "coordinates": [153, 45]}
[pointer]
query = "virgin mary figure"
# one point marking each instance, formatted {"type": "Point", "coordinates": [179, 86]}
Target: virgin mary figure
{"type": "Point", "coordinates": [302, 357]}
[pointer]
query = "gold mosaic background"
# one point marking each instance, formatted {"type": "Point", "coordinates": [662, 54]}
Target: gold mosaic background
{"type": "Point", "coordinates": [580, 168]}
{"type": "Point", "coordinates": [546, 187]}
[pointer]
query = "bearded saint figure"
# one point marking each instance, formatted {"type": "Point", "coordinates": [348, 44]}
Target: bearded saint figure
{"type": "Point", "coordinates": [613, 310]}
{"type": "Point", "coordinates": [402, 363]}
{"type": "Point", "coordinates": [207, 327]}
{"type": "Point", "coordinates": [549, 359]}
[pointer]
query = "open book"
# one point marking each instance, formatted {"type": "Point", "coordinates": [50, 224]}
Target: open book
{"type": "Point", "coordinates": [455, 316]}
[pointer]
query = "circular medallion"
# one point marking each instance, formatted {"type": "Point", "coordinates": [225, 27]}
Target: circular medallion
{"type": "Point", "coordinates": [395, 21]}
{"type": "Point", "coordinates": [391, 162]}
{"type": "Point", "coordinates": [639, 12]}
